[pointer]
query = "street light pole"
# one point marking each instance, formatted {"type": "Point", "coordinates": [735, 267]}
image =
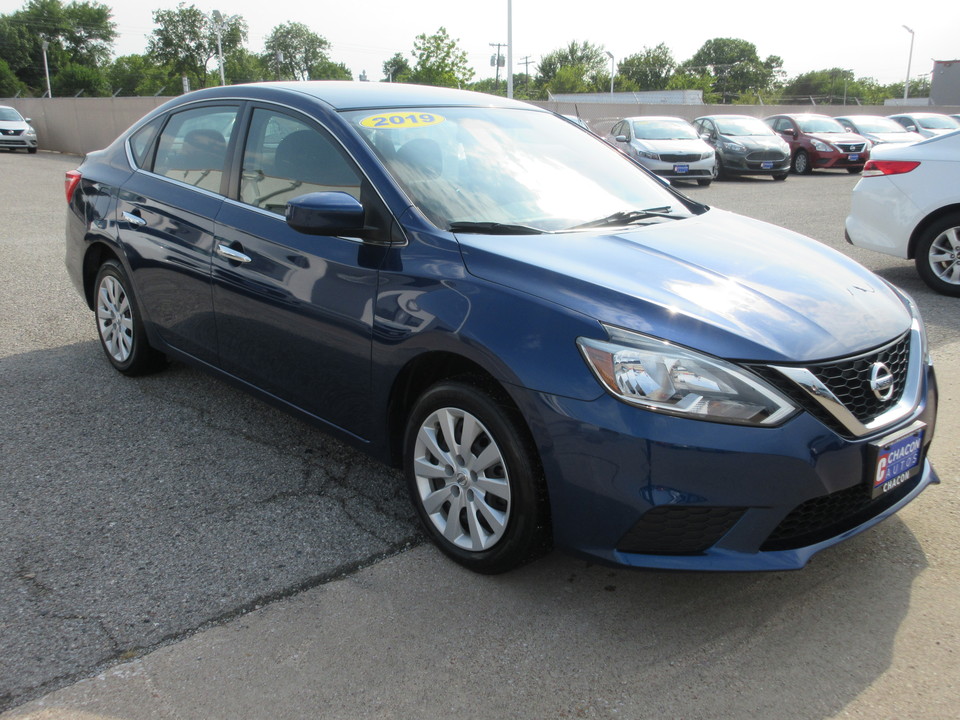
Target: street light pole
{"type": "Point", "coordinates": [509, 48]}
{"type": "Point", "coordinates": [46, 69]}
{"type": "Point", "coordinates": [906, 85]}
{"type": "Point", "coordinates": [218, 27]}
{"type": "Point", "coordinates": [610, 55]}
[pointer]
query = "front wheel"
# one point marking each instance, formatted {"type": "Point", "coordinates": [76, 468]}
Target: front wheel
{"type": "Point", "coordinates": [855, 170]}
{"type": "Point", "coordinates": [474, 478]}
{"type": "Point", "coordinates": [780, 176]}
{"type": "Point", "coordinates": [801, 163]}
{"type": "Point", "coordinates": [938, 255]}
{"type": "Point", "coordinates": [119, 325]}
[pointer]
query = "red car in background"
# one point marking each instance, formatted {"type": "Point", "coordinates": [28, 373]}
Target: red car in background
{"type": "Point", "coordinates": [819, 141]}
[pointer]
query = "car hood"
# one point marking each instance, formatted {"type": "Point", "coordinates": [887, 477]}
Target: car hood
{"type": "Point", "coordinates": [672, 146]}
{"type": "Point", "coordinates": [727, 285]}
{"type": "Point", "coordinates": [757, 142]}
{"type": "Point", "coordinates": [13, 125]}
{"type": "Point", "coordinates": [834, 138]}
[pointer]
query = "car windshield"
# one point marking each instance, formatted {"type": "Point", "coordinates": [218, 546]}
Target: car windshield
{"type": "Point", "coordinates": [878, 125]}
{"type": "Point", "coordinates": [938, 122]}
{"type": "Point", "coordinates": [819, 125]}
{"type": "Point", "coordinates": [10, 115]}
{"type": "Point", "coordinates": [743, 126]}
{"type": "Point", "coordinates": [496, 169]}
{"type": "Point", "coordinates": [664, 130]}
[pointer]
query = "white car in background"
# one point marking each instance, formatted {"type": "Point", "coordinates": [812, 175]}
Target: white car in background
{"type": "Point", "coordinates": [878, 129]}
{"type": "Point", "coordinates": [907, 204]}
{"type": "Point", "coordinates": [927, 124]}
{"type": "Point", "coordinates": [667, 146]}
{"type": "Point", "coordinates": [16, 132]}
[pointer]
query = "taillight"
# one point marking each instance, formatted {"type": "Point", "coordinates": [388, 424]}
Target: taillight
{"type": "Point", "coordinates": [888, 167]}
{"type": "Point", "coordinates": [70, 183]}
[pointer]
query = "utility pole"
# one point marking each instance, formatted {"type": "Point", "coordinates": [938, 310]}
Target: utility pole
{"type": "Point", "coordinates": [497, 60]}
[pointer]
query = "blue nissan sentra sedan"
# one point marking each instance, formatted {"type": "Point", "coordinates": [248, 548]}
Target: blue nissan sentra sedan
{"type": "Point", "coordinates": [557, 348]}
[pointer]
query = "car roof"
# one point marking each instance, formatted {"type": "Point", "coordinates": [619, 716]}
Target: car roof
{"type": "Point", "coordinates": [346, 95]}
{"type": "Point", "coordinates": [656, 117]}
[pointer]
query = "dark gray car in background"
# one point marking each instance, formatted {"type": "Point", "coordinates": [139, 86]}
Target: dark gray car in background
{"type": "Point", "coordinates": [744, 145]}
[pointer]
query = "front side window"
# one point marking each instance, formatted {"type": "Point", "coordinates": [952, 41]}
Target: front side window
{"type": "Point", "coordinates": [193, 146]}
{"type": "Point", "coordinates": [508, 167]}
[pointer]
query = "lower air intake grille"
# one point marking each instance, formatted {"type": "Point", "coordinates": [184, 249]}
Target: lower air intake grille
{"type": "Point", "coordinates": [678, 530]}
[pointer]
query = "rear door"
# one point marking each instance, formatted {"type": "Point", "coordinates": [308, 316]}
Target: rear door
{"type": "Point", "coordinates": [165, 215]}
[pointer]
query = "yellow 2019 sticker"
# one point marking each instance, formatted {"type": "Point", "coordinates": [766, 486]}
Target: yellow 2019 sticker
{"type": "Point", "coordinates": [402, 120]}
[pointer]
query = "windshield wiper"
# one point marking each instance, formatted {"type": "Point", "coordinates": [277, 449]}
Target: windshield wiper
{"type": "Point", "coordinates": [493, 228]}
{"type": "Point", "coordinates": [631, 216]}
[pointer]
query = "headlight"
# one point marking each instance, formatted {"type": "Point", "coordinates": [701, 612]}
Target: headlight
{"type": "Point", "coordinates": [785, 148]}
{"type": "Point", "coordinates": [656, 375]}
{"type": "Point", "coordinates": [29, 131]}
{"type": "Point", "coordinates": [820, 146]}
{"type": "Point", "coordinates": [646, 154]}
{"type": "Point", "coordinates": [706, 155]}
{"type": "Point", "coordinates": [734, 147]}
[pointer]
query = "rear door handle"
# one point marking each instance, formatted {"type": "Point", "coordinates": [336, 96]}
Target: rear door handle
{"type": "Point", "coordinates": [232, 255]}
{"type": "Point", "coordinates": [134, 220]}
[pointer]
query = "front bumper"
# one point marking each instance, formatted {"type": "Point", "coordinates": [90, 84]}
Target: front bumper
{"type": "Point", "coordinates": [681, 170]}
{"type": "Point", "coordinates": [828, 160]}
{"type": "Point", "coordinates": [756, 163]}
{"type": "Point", "coordinates": [707, 496]}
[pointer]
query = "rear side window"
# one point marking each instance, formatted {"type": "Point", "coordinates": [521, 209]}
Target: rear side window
{"type": "Point", "coordinates": [141, 142]}
{"type": "Point", "coordinates": [193, 146]}
{"type": "Point", "coordinates": [286, 156]}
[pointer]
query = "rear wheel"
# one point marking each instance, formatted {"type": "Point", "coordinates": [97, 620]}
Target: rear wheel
{"type": "Point", "coordinates": [119, 324]}
{"type": "Point", "coordinates": [474, 478]}
{"type": "Point", "coordinates": [938, 255]}
{"type": "Point", "coordinates": [801, 163]}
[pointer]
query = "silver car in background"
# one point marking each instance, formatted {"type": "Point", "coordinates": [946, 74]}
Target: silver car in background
{"type": "Point", "coordinates": [16, 133]}
{"type": "Point", "coordinates": [667, 146]}
{"type": "Point", "coordinates": [878, 129]}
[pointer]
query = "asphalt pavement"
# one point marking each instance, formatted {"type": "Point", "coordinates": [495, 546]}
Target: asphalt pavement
{"type": "Point", "coordinates": [172, 548]}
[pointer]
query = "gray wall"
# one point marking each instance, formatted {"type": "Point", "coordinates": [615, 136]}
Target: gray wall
{"type": "Point", "coordinates": [79, 125]}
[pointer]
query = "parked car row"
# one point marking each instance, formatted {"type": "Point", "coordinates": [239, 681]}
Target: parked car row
{"type": "Point", "coordinates": [745, 145]}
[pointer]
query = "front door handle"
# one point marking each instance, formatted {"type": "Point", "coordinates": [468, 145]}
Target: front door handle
{"type": "Point", "coordinates": [232, 255]}
{"type": "Point", "coordinates": [134, 220]}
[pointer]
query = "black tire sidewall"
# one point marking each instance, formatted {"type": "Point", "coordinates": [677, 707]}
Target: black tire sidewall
{"type": "Point", "coordinates": [524, 537]}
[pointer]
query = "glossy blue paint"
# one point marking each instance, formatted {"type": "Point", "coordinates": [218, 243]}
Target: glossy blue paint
{"type": "Point", "coordinates": [345, 329]}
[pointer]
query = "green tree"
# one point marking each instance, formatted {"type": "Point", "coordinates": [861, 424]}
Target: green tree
{"type": "Point", "coordinates": [396, 69]}
{"type": "Point", "coordinates": [735, 68]}
{"type": "Point", "coordinates": [132, 75]}
{"type": "Point", "coordinates": [330, 70]}
{"type": "Point", "coordinates": [440, 61]}
{"type": "Point", "coordinates": [579, 67]}
{"type": "Point", "coordinates": [10, 84]}
{"type": "Point", "coordinates": [75, 79]}
{"type": "Point", "coordinates": [80, 33]}
{"type": "Point", "coordinates": [650, 69]}
{"type": "Point", "coordinates": [185, 39]}
{"type": "Point", "coordinates": [292, 49]}
{"type": "Point", "coordinates": [243, 66]}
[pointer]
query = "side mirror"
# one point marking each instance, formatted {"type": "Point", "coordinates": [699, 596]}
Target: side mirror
{"type": "Point", "coordinates": [325, 213]}
{"type": "Point", "coordinates": [912, 128]}
{"type": "Point", "coordinates": [27, 120]}
{"type": "Point", "coordinates": [707, 137]}
{"type": "Point", "coordinates": [621, 138]}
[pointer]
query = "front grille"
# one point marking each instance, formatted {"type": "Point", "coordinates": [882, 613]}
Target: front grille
{"type": "Point", "coordinates": [766, 156]}
{"type": "Point", "coordinates": [680, 157]}
{"type": "Point", "coordinates": [679, 530]}
{"type": "Point", "coordinates": [12, 132]}
{"type": "Point", "coordinates": [829, 515]}
{"type": "Point", "coordinates": [850, 147]}
{"type": "Point", "coordinates": [849, 380]}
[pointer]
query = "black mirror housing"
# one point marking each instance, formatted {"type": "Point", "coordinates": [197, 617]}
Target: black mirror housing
{"type": "Point", "coordinates": [325, 213]}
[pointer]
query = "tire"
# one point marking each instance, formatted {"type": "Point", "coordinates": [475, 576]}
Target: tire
{"type": "Point", "coordinates": [780, 176]}
{"type": "Point", "coordinates": [119, 325]}
{"type": "Point", "coordinates": [32, 151]}
{"type": "Point", "coordinates": [474, 478]}
{"type": "Point", "coordinates": [938, 255]}
{"type": "Point", "coordinates": [704, 183]}
{"type": "Point", "coordinates": [855, 170]}
{"type": "Point", "coordinates": [801, 163]}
